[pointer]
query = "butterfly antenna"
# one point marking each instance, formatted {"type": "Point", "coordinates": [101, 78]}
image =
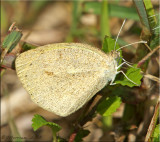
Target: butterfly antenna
{"type": "Point", "coordinates": [119, 33]}
{"type": "Point", "coordinates": [132, 44]}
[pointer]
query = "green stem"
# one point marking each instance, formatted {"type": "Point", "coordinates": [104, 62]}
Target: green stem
{"type": "Point", "coordinates": [75, 19]}
{"type": "Point", "coordinates": [104, 19]}
{"type": "Point", "coordinates": [2, 72]}
{"type": "Point", "coordinates": [54, 137]}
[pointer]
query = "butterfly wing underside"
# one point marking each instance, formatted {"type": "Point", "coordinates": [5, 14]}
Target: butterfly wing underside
{"type": "Point", "coordinates": [61, 78]}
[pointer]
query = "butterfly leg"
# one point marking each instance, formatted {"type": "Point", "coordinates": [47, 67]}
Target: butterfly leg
{"type": "Point", "coordinates": [126, 64]}
{"type": "Point", "coordinates": [123, 64]}
{"type": "Point", "coordinates": [111, 83]}
{"type": "Point", "coordinates": [124, 61]}
{"type": "Point", "coordinates": [126, 77]}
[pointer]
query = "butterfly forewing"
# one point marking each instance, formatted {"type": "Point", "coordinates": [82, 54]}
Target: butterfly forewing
{"type": "Point", "coordinates": [62, 77]}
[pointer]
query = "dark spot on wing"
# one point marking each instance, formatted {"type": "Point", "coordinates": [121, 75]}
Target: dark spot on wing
{"type": "Point", "coordinates": [60, 54]}
{"type": "Point", "coordinates": [49, 73]}
{"type": "Point", "coordinates": [41, 51]}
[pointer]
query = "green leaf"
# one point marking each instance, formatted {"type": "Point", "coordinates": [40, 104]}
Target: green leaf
{"type": "Point", "coordinates": [27, 46]}
{"type": "Point", "coordinates": [143, 15]}
{"type": "Point", "coordinates": [149, 22]}
{"type": "Point", "coordinates": [92, 7]}
{"type": "Point", "coordinates": [11, 40]}
{"type": "Point", "coordinates": [155, 38]}
{"type": "Point", "coordinates": [109, 106]}
{"type": "Point", "coordinates": [123, 12]}
{"type": "Point", "coordinates": [39, 121]}
{"type": "Point", "coordinates": [150, 12]}
{"type": "Point", "coordinates": [81, 134]}
{"type": "Point", "coordinates": [156, 134]}
{"type": "Point", "coordinates": [108, 44]}
{"type": "Point", "coordinates": [145, 10]}
{"type": "Point", "coordinates": [115, 10]}
{"type": "Point", "coordinates": [133, 74]}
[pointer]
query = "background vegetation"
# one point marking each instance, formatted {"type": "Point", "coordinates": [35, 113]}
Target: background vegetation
{"type": "Point", "coordinates": [120, 113]}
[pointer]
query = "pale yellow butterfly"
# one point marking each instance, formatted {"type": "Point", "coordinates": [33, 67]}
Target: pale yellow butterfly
{"type": "Point", "coordinates": [62, 77]}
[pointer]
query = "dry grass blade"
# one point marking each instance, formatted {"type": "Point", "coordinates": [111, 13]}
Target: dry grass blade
{"type": "Point", "coordinates": [152, 124]}
{"type": "Point", "coordinates": [147, 56]}
{"type": "Point", "coordinates": [151, 77]}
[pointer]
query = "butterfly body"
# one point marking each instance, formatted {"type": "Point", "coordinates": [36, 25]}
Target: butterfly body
{"type": "Point", "coordinates": [62, 77]}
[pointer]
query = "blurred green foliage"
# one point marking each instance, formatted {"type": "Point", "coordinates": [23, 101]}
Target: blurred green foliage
{"type": "Point", "coordinates": [156, 134]}
{"type": "Point", "coordinates": [11, 40]}
{"type": "Point", "coordinates": [39, 121]}
{"type": "Point", "coordinates": [80, 135]}
{"type": "Point", "coordinates": [4, 20]}
{"type": "Point", "coordinates": [108, 106]}
{"type": "Point", "coordinates": [114, 10]}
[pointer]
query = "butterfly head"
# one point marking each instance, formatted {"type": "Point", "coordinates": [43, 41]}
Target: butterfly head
{"type": "Point", "coordinates": [115, 54]}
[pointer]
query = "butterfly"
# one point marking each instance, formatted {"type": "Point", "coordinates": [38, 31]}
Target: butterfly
{"type": "Point", "coordinates": [62, 77]}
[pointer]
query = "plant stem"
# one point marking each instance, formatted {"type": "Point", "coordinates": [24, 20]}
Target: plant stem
{"type": "Point", "coordinates": [104, 19]}
{"type": "Point", "coordinates": [152, 124]}
{"type": "Point", "coordinates": [54, 137]}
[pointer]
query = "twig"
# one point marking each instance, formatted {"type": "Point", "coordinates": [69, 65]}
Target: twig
{"type": "Point", "coordinates": [87, 115]}
{"type": "Point", "coordinates": [147, 56]}
{"type": "Point", "coordinates": [91, 109]}
{"type": "Point", "coordinates": [72, 137]}
{"type": "Point", "coordinates": [153, 123]}
{"type": "Point", "coordinates": [151, 77]}
{"type": "Point", "coordinates": [12, 27]}
{"type": "Point", "coordinates": [9, 61]}
{"type": "Point", "coordinates": [147, 47]}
